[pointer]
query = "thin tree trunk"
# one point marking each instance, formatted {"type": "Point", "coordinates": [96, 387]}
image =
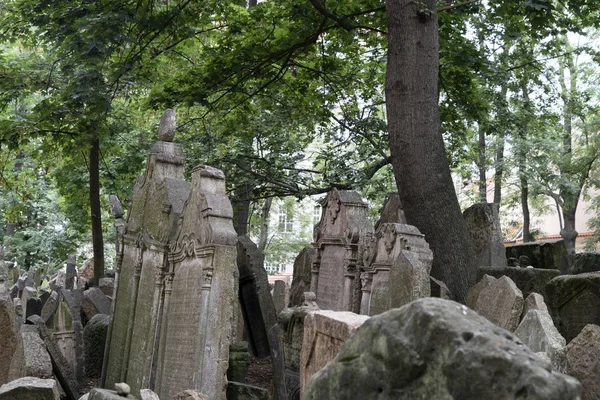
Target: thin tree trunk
{"type": "Point", "coordinates": [264, 224]}
{"type": "Point", "coordinates": [525, 207]}
{"type": "Point", "coordinates": [482, 166]}
{"type": "Point", "coordinates": [418, 155]}
{"type": "Point", "coordinates": [522, 160]}
{"type": "Point", "coordinates": [96, 212]}
{"type": "Point", "coordinates": [569, 234]}
{"type": "Point", "coordinates": [499, 162]}
{"type": "Point", "coordinates": [241, 209]}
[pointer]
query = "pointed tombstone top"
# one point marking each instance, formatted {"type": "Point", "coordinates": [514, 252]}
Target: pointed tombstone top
{"type": "Point", "coordinates": [167, 126]}
{"type": "Point", "coordinates": [116, 209]}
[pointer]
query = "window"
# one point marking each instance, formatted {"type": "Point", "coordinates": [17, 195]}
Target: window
{"type": "Point", "coordinates": [316, 214]}
{"type": "Point", "coordinates": [285, 223]}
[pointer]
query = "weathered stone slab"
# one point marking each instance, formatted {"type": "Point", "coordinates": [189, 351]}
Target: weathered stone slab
{"type": "Point", "coordinates": [241, 391]}
{"type": "Point", "coordinates": [574, 302]}
{"type": "Point", "coordinates": [501, 302]}
{"type": "Point", "coordinates": [30, 388]}
{"type": "Point", "coordinates": [547, 254]}
{"type": "Point", "coordinates": [28, 291]}
{"type": "Point", "coordinates": [279, 290]}
{"type": "Point", "coordinates": [585, 262]}
{"type": "Point", "coordinates": [18, 307]}
{"type": "Point", "coordinates": [474, 292]}
{"type": "Point", "coordinates": [583, 361]}
{"type": "Point", "coordinates": [239, 361]}
{"type": "Point", "coordinates": [392, 211]}
{"type": "Point", "coordinates": [95, 302]}
{"type": "Point", "coordinates": [439, 289]}
{"type": "Point", "coordinates": [535, 301]}
{"type": "Point", "coordinates": [49, 308]}
{"type": "Point", "coordinates": [9, 333]}
{"type": "Point", "coordinates": [483, 224]}
{"type": "Point", "coordinates": [437, 349]}
{"type": "Point", "coordinates": [302, 276]}
{"type": "Point", "coordinates": [94, 339]}
{"type": "Point", "coordinates": [325, 332]}
{"type": "Point", "coordinates": [14, 291]}
{"type": "Point", "coordinates": [71, 273]}
{"type": "Point", "coordinates": [67, 330]}
{"type": "Point", "coordinates": [539, 333]}
{"type": "Point", "coordinates": [31, 357]}
{"type": "Point", "coordinates": [528, 280]}
{"type": "Point", "coordinates": [336, 278]}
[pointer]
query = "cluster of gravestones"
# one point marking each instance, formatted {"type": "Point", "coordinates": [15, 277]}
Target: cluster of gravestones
{"type": "Point", "coordinates": [363, 318]}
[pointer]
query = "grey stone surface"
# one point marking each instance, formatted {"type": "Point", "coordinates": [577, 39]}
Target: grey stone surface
{"type": "Point", "coordinates": [528, 280]}
{"type": "Point", "coordinates": [279, 291]}
{"type": "Point", "coordinates": [9, 333]}
{"type": "Point", "coordinates": [167, 126]}
{"type": "Point", "coordinates": [107, 286]}
{"type": "Point", "coordinates": [95, 302]}
{"type": "Point", "coordinates": [483, 224]}
{"type": "Point", "coordinates": [344, 221]}
{"type": "Point", "coordinates": [28, 292]}
{"type": "Point", "coordinates": [439, 289]}
{"type": "Point", "coordinates": [437, 349]}
{"type": "Point", "coordinates": [474, 292]}
{"type": "Point", "coordinates": [30, 388]}
{"type": "Point", "coordinates": [302, 276]}
{"type": "Point", "coordinates": [67, 330]}
{"type": "Point", "coordinates": [239, 361]}
{"type": "Point", "coordinates": [49, 308]}
{"type": "Point", "coordinates": [94, 339]}
{"type": "Point", "coordinates": [538, 332]}
{"type": "Point", "coordinates": [147, 394]}
{"type": "Point", "coordinates": [31, 357]}
{"type": "Point", "coordinates": [535, 301]}
{"type": "Point", "coordinates": [18, 307]}
{"type": "Point", "coordinates": [116, 208]}
{"type": "Point", "coordinates": [501, 302]}
{"type": "Point", "coordinates": [547, 254]}
{"type": "Point", "coordinates": [122, 389]}
{"type": "Point", "coordinates": [104, 394]}
{"type": "Point", "coordinates": [574, 302]}
{"type": "Point", "coordinates": [392, 211]}
{"type": "Point", "coordinates": [588, 261]}
{"type": "Point", "coordinates": [190, 395]}
{"type": "Point", "coordinates": [71, 272]}
{"type": "Point", "coordinates": [14, 291]}
{"type": "Point", "coordinates": [583, 361]}
{"type": "Point", "coordinates": [241, 391]}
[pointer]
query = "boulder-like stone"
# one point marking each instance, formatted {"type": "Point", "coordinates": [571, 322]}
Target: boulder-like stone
{"type": "Point", "coordinates": [583, 361]}
{"type": "Point", "coordinates": [528, 280]}
{"type": "Point", "coordinates": [31, 357]}
{"type": "Point", "coordinates": [94, 338]}
{"type": "Point", "coordinates": [95, 302]}
{"type": "Point", "coordinates": [535, 301]}
{"type": "Point", "coordinates": [147, 394]}
{"type": "Point", "coordinates": [30, 388]}
{"type": "Point", "coordinates": [474, 292]}
{"type": "Point", "coordinates": [190, 395]}
{"type": "Point", "coordinates": [501, 302]}
{"type": "Point", "coordinates": [325, 332]}
{"type": "Point", "coordinates": [104, 394]}
{"type": "Point", "coordinates": [167, 125]}
{"type": "Point", "coordinates": [539, 333]}
{"type": "Point", "coordinates": [33, 307]}
{"type": "Point", "coordinates": [483, 224]}
{"type": "Point", "coordinates": [437, 349]}
{"type": "Point", "coordinates": [547, 254]}
{"type": "Point", "coordinates": [241, 391]}
{"type": "Point", "coordinates": [574, 302]}
{"type": "Point", "coordinates": [122, 389]}
{"type": "Point", "coordinates": [302, 276]}
{"type": "Point", "coordinates": [588, 261]}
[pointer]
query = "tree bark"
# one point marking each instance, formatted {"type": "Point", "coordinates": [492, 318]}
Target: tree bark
{"type": "Point", "coordinates": [522, 160]}
{"type": "Point", "coordinates": [525, 206]}
{"type": "Point", "coordinates": [96, 212]}
{"type": "Point", "coordinates": [417, 149]}
{"type": "Point", "coordinates": [241, 209]}
{"type": "Point", "coordinates": [264, 225]}
{"type": "Point", "coordinates": [499, 162]}
{"type": "Point", "coordinates": [482, 167]}
{"type": "Point", "coordinates": [568, 233]}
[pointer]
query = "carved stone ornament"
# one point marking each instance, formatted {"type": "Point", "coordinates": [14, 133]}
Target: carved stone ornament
{"type": "Point", "coordinates": [389, 237]}
{"type": "Point", "coordinates": [333, 206]}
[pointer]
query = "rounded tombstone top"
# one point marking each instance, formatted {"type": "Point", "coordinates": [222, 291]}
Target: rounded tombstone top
{"type": "Point", "coordinates": [167, 125]}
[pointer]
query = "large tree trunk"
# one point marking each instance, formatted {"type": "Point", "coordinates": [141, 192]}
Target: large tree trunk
{"type": "Point", "coordinates": [96, 211]}
{"type": "Point", "coordinates": [241, 209]}
{"type": "Point", "coordinates": [264, 225]}
{"type": "Point", "coordinates": [525, 207]}
{"type": "Point", "coordinates": [418, 155]}
{"type": "Point", "coordinates": [568, 233]}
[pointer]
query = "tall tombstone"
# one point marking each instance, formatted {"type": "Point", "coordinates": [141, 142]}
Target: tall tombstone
{"type": "Point", "coordinates": [9, 333]}
{"type": "Point", "coordinates": [483, 224]}
{"type": "Point", "coordinates": [71, 272]}
{"type": "Point", "coordinates": [141, 269]}
{"type": "Point", "coordinates": [335, 276]}
{"type": "Point", "coordinates": [202, 293]}
{"type": "Point", "coordinates": [67, 329]}
{"type": "Point", "coordinates": [302, 276]}
{"type": "Point", "coordinates": [395, 270]}
{"type": "Point", "coordinates": [258, 310]}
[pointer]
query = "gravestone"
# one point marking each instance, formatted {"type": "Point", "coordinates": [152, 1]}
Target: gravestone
{"type": "Point", "coordinates": [258, 310]}
{"type": "Point", "coordinates": [195, 350]}
{"type": "Point", "coordinates": [501, 302]}
{"type": "Point", "coordinates": [94, 339]}
{"type": "Point", "coordinates": [335, 276]}
{"type": "Point", "coordinates": [437, 349]}
{"type": "Point", "coordinates": [392, 211]}
{"type": "Point", "coordinates": [50, 308]}
{"type": "Point", "coordinates": [395, 268]}
{"type": "Point", "coordinates": [528, 280]}
{"type": "Point", "coordinates": [474, 292]}
{"type": "Point", "coordinates": [483, 225]}
{"type": "Point", "coordinates": [67, 329]}
{"type": "Point", "coordinates": [279, 290]}
{"type": "Point", "coordinates": [574, 302]}
{"type": "Point", "coordinates": [583, 361]}
{"type": "Point", "coordinates": [325, 332]}
{"type": "Point", "coordinates": [94, 302]}
{"type": "Point", "coordinates": [33, 307]}
{"type": "Point", "coordinates": [28, 292]}
{"type": "Point", "coordinates": [302, 276]}
{"type": "Point", "coordinates": [439, 289]}
{"type": "Point", "coordinates": [588, 261]}
{"type": "Point", "coordinates": [9, 333]}
{"type": "Point", "coordinates": [547, 254]}
{"type": "Point", "coordinates": [107, 286]}
{"type": "Point", "coordinates": [535, 301]}
{"type": "Point", "coordinates": [31, 357]}
{"type": "Point", "coordinates": [142, 280]}
{"type": "Point", "coordinates": [71, 272]}
{"type": "Point", "coordinates": [239, 361]}
{"type": "Point", "coordinates": [30, 388]}
{"type": "Point", "coordinates": [538, 332]}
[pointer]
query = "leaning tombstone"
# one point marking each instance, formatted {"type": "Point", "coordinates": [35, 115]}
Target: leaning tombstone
{"type": "Point", "coordinates": [31, 357]}
{"type": "Point", "coordinates": [539, 333]}
{"type": "Point", "coordinates": [483, 225]}
{"type": "Point", "coordinates": [335, 276]}
{"type": "Point", "coordinates": [302, 276]}
{"type": "Point", "coordinates": [94, 339]}
{"type": "Point", "coordinates": [67, 329]}
{"type": "Point", "coordinates": [392, 211]}
{"type": "Point", "coordinates": [501, 302]}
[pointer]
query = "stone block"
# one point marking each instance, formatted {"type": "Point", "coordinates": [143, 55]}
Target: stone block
{"type": "Point", "coordinates": [574, 302]}
{"type": "Point", "coordinates": [14, 291]}
{"type": "Point", "coordinates": [588, 261]}
{"type": "Point", "coordinates": [241, 391]}
{"type": "Point", "coordinates": [501, 302]}
{"type": "Point", "coordinates": [547, 254]}
{"type": "Point", "coordinates": [325, 332]}
{"type": "Point", "coordinates": [95, 302]}
{"type": "Point", "coordinates": [474, 292]}
{"type": "Point", "coordinates": [539, 333]}
{"type": "Point", "coordinates": [94, 339]}
{"type": "Point", "coordinates": [239, 360]}
{"type": "Point", "coordinates": [31, 357]}
{"type": "Point", "coordinates": [535, 301]}
{"type": "Point", "coordinates": [391, 211]}
{"type": "Point", "coordinates": [30, 388]}
{"type": "Point", "coordinates": [9, 334]}
{"type": "Point", "coordinates": [28, 291]}
{"type": "Point", "coordinates": [528, 280]}
{"type": "Point", "coordinates": [483, 225]}
{"type": "Point", "coordinates": [437, 349]}
{"type": "Point", "coordinates": [583, 361]}
{"type": "Point", "coordinates": [302, 276]}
